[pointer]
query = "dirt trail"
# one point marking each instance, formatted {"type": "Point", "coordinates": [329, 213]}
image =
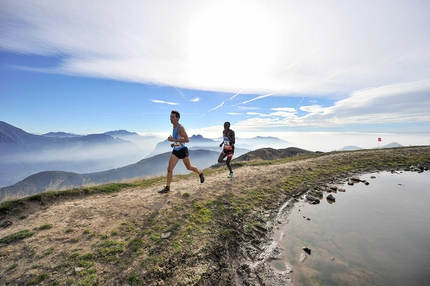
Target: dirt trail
{"type": "Point", "coordinates": [104, 211]}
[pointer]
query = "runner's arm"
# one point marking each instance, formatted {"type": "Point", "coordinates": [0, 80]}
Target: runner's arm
{"type": "Point", "coordinates": [182, 135]}
{"type": "Point", "coordinates": [231, 137]}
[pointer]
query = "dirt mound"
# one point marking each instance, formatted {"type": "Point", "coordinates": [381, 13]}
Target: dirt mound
{"type": "Point", "coordinates": [272, 154]}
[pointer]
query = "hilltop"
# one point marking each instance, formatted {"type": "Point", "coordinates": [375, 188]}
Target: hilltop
{"type": "Point", "coordinates": [198, 234]}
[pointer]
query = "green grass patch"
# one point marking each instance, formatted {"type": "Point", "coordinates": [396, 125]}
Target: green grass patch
{"type": "Point", "coordinates": [39, 278]}
{"type": "Point", "coordinates": [45, 226]}
{"type": "Point", "coordinates": [109, 248]}
{"type": "Point", "coordinates": [20, 235]}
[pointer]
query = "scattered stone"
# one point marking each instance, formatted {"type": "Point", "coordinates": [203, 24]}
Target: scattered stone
{"type": "Point", "coordinates": [303, 257]}
{"type": "Point", "coordinates": [341, 190]}
{"type": "Point", "coordinates": [312, 199]}
{"type": "Point", "coordinates": [78, 269]}
{"type": "Point", "coordinates": [355, 179]}
{"type": "Point", "coordinates": [332, 187]}
{"type": "Point", "coordinates": [307, 250]}
{"type": "Point", "coordinates": [350, 183]}
{"type": "Point", "coordinates": [331, 198]}
{"type": "Point", "coordinates": [308, 218]}
{"type": "Point", "coordinates": [166, 235]}
{"type": "Point", "coordinates": [373, 177]}
{"type": "Point", "coordinates": [316, 193]}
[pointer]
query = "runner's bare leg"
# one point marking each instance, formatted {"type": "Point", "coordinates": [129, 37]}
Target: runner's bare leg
{"type": "Point", "coordinates": [172, 163]}
{"type": "Point", "coordinates": [187, 163]}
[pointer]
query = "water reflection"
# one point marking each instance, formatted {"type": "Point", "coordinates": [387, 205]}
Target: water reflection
{"type": "Point", "coordinates": [376, 234]}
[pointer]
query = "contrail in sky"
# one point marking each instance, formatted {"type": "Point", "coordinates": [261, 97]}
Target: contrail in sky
{"type": "Point", "coordinates": [263, 96]}
{"type": "Point", "coordinates": [300, 102]}
{"type": "Point", "coordinates": [222, 103]}
{"type": "Point", "coordinates": [181, 93]}
{"type": "Point", "coordinates": [304, 58]}
{"type": "Point", "coordinates": [259, 97]}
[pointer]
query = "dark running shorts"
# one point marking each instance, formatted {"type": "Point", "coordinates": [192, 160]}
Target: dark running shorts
{"type": "Point", "coordinates": [228, 153]}
{"type": "Point", "coordinates": [182, 153]}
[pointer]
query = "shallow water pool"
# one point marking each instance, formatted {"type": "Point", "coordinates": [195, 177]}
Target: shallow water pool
{"type": "Point", "coordinates": [376, 234]}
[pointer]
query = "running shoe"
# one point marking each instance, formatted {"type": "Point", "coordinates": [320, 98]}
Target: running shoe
{"type": "Point", "coordinates": [165, 190]}
{"type": "Point", "coordinates": [202, 177]}
{"type": "Point", "coordinates": [230, 176]}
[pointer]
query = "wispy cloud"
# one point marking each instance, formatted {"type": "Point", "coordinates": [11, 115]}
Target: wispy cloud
{"type": "Point", "coordinates": [222, 103]}
{"type": "Point", "coordinates": [171, 44]}
{"type": "Point", "coordinates": [216, 107]}
{"type": "Point", "coordinates": [196, 99]}
{"type": "Point", "coordinates": [181, 93]}
{"type": "Point", "coordinates": [164, 102]}
{"type": "Point", "coordinates": [259, 97]}
{"type": "Point", "coordinates": [389, 104]}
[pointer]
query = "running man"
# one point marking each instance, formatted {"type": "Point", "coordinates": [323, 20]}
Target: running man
{"type": "Point", "coordinates": [228, 151]}
{"type": "Point", "coordinates": [178, 139]}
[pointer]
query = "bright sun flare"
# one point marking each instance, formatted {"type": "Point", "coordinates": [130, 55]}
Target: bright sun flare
{"type": "Point", "coordinates": [233, 39]}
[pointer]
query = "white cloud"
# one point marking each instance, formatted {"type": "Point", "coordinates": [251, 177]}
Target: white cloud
{"type": "Point", "coordinates": [312, 109]}
{"type": "Point", "coordinates": [287, 109]}
{"type": "Point", "coordinates": [289, 47]}
{"type": "Point", "coordinates": [391, 104]}
{"type": "Point", "coordinates": [196, 99]}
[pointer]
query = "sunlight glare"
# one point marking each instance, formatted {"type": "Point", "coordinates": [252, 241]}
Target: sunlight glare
{"type": "Point", "coordinates": [233, 41]}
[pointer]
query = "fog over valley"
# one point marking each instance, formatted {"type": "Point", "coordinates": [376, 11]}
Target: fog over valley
{"type": "Point", "coordinates": [120, 154]}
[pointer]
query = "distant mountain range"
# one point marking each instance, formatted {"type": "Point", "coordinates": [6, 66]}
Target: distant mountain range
{"type": "Point", "coordinates": [153, 166]}
{"type": "Point", "coordinates": [60, 135]}
{"type": "Point", "coordinates": [353, 148]}
{"type": "Point", "coordinates": [34, 163]}
{"type": "Point", "coordinates": [199, 142]}
{"type": "Point", "coordinates": [23, 154]}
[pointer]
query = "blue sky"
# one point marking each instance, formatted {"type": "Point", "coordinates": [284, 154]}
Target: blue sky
{"type": "Point", "coordinates": [282, 68]}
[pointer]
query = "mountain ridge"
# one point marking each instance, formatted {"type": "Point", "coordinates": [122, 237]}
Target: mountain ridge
{"type": "Point", "coordinates": [148, 167]}
{"type": "Point", "coordinates": [23, 154]}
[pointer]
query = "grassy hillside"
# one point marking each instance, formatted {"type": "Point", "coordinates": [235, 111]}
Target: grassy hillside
{"type": "Point", "coordinates": [198, 234]}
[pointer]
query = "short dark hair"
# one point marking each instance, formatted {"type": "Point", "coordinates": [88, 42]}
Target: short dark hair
{"type": "Point", "coordinates": [227, 123]}
{"type": "Point", "coordinates": [178, 115]}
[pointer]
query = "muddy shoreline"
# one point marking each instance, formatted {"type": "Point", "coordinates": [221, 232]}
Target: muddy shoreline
{"type": "Point", "coordinates": [256, 269]}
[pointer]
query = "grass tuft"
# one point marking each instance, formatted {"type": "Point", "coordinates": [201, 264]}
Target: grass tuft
{"type": "Point", "coordinates": [20, 235]}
